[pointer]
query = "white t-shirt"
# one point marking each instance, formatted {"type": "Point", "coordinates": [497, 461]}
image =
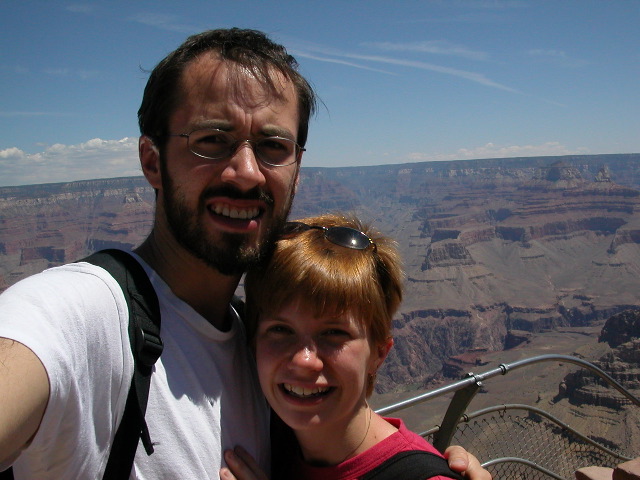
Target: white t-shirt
{"type": "Point", "coordinates": [204, 396]}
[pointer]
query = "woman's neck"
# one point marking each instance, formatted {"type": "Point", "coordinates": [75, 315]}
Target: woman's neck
{"type": "Point", "coordinates": [330, 446]}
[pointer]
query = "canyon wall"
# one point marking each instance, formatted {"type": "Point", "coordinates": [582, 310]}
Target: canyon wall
{"type": "Point", "coordinates": [494, 249]}
{"type": "Point", "coordinates": [622, 333]}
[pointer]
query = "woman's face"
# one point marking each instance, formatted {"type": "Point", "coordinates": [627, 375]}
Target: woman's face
{"type": "Point", "coordinates": [314, 370]}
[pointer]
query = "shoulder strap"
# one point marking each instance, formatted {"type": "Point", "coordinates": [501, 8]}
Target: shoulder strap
{"type": "Point", "coordinates": [146, 345]}
{"type": "Point", "coordinates": [412, 465]}
{"type": "Point", "coordinates": [7, 474]}
{"type": "Point", "coordinates": [238, 304]}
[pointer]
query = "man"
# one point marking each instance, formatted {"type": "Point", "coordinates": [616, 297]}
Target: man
{"type": "Point", "coordinates": [224, 120]}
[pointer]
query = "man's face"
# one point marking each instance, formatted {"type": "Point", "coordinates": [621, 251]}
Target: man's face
{"type": "Point", "coordinates": [227, 212]}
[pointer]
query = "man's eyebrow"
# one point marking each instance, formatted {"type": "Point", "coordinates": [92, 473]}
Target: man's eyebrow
{"type": "Point", "coordinates": [275, 131]}
{"type": "Point", "coordinates": [218, 124]}
{"type": "Point", "coordinates": [227, 126]}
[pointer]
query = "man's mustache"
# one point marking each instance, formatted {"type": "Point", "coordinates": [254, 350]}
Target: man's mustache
{"type": "Point", "coordinates": [255, 193]}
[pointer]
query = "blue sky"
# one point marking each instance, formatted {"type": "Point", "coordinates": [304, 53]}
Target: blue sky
{"type": "Point", "coordinates": [401, 81]}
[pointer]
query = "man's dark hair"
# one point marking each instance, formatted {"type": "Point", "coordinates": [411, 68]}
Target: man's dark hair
{"type": "Point", "coordinates": [250, 49]}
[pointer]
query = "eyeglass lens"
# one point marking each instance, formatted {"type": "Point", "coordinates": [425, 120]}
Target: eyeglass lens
{"type": "Point", "coordinates": [216, 144]}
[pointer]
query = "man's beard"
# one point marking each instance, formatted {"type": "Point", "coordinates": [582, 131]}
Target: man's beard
{"type": "Point", "coordinates": [228, 254]}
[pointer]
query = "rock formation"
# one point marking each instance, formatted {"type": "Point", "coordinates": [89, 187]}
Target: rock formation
{"type": "Point", "coordinates": [622, 333]}
{"type": "Point", "coordinates": [494, 249]}
{"type": "Point", "coordinates": [46, 225]}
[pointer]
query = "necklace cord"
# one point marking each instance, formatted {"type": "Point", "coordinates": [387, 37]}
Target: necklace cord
{"type": "Point", "coordinates": [363, 438]}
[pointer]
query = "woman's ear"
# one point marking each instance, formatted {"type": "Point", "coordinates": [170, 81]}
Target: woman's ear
{"type": "Point", "coordinates": [382, 350]}
{"type": "Point", "coordinates": [150, 161]}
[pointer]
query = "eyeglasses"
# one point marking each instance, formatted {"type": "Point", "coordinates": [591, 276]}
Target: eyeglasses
{"type": "Point", "coordinates": [343, 236]}
{"type": "Point", "coordinates": [217, 144]}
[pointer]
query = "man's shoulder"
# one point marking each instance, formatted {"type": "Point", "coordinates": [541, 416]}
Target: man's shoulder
{"type": "Point", "coordinates": [79, 280]}
{"type": "Point", "coordinates": [92, 266]}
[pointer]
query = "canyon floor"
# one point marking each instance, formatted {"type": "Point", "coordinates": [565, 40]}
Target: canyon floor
{"type": "Point", "coordinates": [490, 247]}
{"type": "Point", "coordinates": [535, 385]}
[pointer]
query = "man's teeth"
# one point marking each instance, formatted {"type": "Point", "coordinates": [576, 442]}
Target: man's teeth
{"type": "Point", "coordinates": [232, 212]}
{"type": "Point", "coordinates": [304, 392]}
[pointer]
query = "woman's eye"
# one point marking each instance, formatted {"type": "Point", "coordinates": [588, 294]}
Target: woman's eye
{"type": "Point", "coordinates": [278, 329]}
{"type": "Point", "coordinates": [336, 332]}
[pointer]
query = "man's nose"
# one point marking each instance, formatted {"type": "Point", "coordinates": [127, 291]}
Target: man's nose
{"type": "Point", "coordinates": [243, 168]}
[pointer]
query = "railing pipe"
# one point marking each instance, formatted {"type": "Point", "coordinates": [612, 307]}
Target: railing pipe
{"type": "Point", "coordinates": [503, 369]}
{"type": "Point", "coordinates": [523, 461]}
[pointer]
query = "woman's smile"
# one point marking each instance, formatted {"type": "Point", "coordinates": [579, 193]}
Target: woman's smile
{"type": "Point", "coordinates": [314, 369]}
{"type": "Point", "coordinates": [302, 392]}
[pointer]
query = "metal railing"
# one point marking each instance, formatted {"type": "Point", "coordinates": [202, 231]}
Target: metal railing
{"type": "Point", "coordinates": [516, 441]}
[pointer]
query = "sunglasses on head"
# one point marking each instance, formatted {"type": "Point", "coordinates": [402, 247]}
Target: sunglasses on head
{"type": "Point", "coordinates": [343, 236]}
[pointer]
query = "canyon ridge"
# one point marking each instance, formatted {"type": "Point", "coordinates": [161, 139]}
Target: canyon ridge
{"type": "Point", "coordinates": [495, 250]}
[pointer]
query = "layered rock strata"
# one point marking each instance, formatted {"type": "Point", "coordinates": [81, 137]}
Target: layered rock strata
{"type": "Point", "coordinates": [622, 363]}
{"type": "Point", "coordinates": [491, 247]}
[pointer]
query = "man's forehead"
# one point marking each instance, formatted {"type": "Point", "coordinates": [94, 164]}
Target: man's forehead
{"type": "Point", "coordinates": [208, 72]}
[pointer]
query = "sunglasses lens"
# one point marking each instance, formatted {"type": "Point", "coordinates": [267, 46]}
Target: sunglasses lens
{"type": "Point", "coordinates": [343, 236]}
{"type": "Point", "coordinates": [293, 228]}
{"type": "Point", "coordinates": [348, 237]}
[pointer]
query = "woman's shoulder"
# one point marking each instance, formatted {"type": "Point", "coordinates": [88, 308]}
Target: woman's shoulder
{"type": "Point", "coordinates": [412, 440]}
{"type": "Point", "coordinates": [408, 455]}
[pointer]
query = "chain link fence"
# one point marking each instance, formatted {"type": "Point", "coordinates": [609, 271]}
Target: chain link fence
{"type": "Point", "coordinates": [527, 443]}
{"type": "Point", "coordinates": [520, 442]}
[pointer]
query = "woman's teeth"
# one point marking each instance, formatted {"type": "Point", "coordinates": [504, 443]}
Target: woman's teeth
{"type": "Point", "coordinates": [304, 392]}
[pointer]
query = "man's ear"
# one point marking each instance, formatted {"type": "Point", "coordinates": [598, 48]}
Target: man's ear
{"type": "Point", "coordinates": [297, 179]}
{"type": "Point", "coordinates": [296, 182]}
{"type": "Point", "coordinates": [150, 161]}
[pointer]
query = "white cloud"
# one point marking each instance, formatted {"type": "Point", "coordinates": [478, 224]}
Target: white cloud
{"type": "Point", "coordinates": [14, 69]}
{"type": "Point", "coordinates": [57, 72]}
{"type": "Point", "coordinates": [310, 56]}
{"type": "Point", "coordinates": [167, 22]}
{"type": "Point", "coordinates": [328, 53]}
{"type": "Point", "coordinates": [80, 8]}
{"type": "Point", "coordinates": [483, 4]}
{"type": "Point", "coordinates": [12, 152]}
{"type": "Point", "coordinates": [436, 47]}
{"type": "Point", "coordinates": [66, 72]}
{"type": "Point", "coordinates": [96, 158]}
{"type": "Point", "coordinates": [33, 114]}
{"type": "Point", "coordinates": [471, 76]}
{"type": "Point", "coordinates": [491, 150]}
{"type": "Point", "coordinates": [557, 57]}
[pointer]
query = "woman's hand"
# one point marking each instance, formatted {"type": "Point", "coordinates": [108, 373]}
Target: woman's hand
{"type": "Point", "coordinates": [463, 462]}
{"type": "Point", "coordinates": [242, 466]}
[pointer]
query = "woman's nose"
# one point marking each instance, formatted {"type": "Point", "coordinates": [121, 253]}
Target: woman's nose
{"type": "Point", "coordinates": [306, 357]}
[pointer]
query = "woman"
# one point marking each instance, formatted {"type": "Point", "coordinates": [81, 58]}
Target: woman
{"type": "Point", "coordinates": [319, 316]}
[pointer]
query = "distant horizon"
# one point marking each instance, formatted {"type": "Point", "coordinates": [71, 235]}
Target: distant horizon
{"type": "Point", "coordinates": [398, 165]}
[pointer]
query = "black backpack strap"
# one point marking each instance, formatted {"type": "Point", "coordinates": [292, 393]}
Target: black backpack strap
{"type": "Point", "coordinates": [238, 304]}
{"type": "Point", "coordinates": [412, 465]}
{"type": "Point", "coordinates": [146, 345]}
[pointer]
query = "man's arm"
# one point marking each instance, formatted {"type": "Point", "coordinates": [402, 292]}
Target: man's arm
{"type": "Point", "coordinates": [24, 393]}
